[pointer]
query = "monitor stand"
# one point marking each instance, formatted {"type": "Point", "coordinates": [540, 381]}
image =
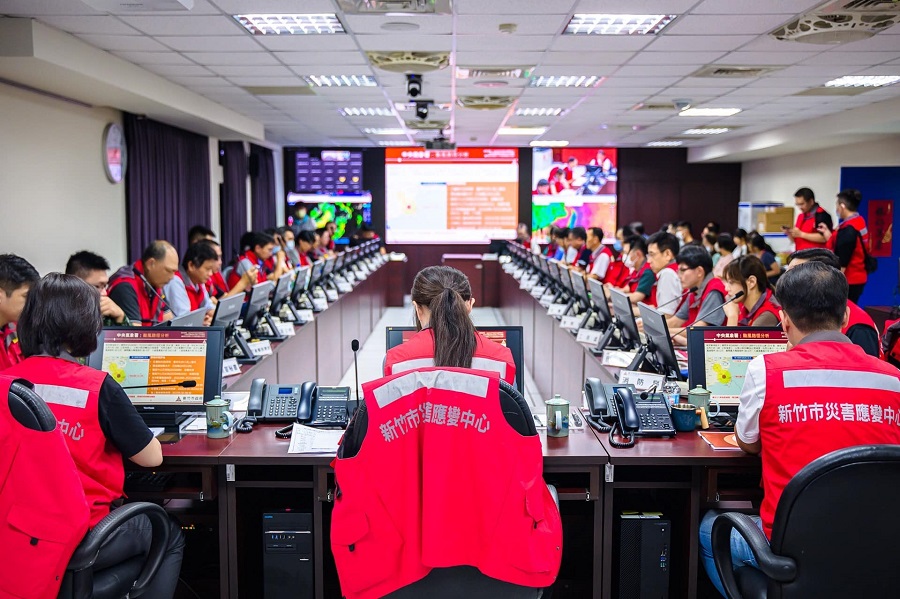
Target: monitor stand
{"type": "Point", "coordinates": [170, 420]}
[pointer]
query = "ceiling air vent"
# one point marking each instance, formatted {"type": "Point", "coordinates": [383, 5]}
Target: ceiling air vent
{"type": "Point", "coordinates": [861, 6]}
{"type": "Point", "coordinates": [493, 73]}
{"type": "Point", "coordinates": [485, 102]}
{"type": "Point", "coordinates": [118, 7]}
{"type": "Point", "coordinates": [841, 22]}
{"type": "Point", "coordinates": [409, 62]}
{"type": "Point", "coordinates": [722, 71]}
{"type": "Point", "coordinates": [666, 107]}
{"type": "Point", "coordinates": [426, 125]}
{"type": "Point", "coordinates": [410, 7]}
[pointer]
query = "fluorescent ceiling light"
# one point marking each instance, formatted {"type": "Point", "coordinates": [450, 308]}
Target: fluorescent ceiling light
{"type": "Point", "coordinates": [397, 143]}
{"type": "Point", "coordinates": [707, 131]}
{"type": "Point", "coordinates": [290, 24]}
{"type": "Point", "coordinates": [378, 111]}
{"type": "Point", "coordinates": [339, 80]}
{"type": "Point", "coordinates": [608, 24]}
{"type": "Point", "coordinates": [863, 81]}
{"type": "Point", "coordinates": [709, 112]}
{"type": "Point", "coordinates": [549, 143]}
{"type": "Point", "coordinates": [532, 131]}
{"type": "Point", "coordinates": [384, 131]}
{"type": "Point", "coordinates": [538, 111]}
{"type": "Point", "coordinates": [566, 81]}
{"type": "Point", "coordinates": [664, 144]}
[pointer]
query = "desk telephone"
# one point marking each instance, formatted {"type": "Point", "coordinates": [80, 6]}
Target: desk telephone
{"type": "Point", "coordinates": [307, 404]}
{"type": "Point", "coordinates": [648, 417]}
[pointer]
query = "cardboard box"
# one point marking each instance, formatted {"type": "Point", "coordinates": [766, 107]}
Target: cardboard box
{"type": "Point", "coordinates": [773, 219]}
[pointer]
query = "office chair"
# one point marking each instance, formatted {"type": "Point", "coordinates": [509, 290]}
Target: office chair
{"type": "Point", "coordinates": [834, 533]}
{"type": "Point", "coordinates": [131, 577]}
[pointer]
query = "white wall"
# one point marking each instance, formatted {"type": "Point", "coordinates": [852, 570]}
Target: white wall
{"type": "Point", "coordinates": [776, 179]}
{"type": "Point", "coordinates": [55, 198]}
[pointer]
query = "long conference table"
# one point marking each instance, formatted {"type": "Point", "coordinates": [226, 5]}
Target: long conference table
{"type": "Point", "coordinates": [223, 486]}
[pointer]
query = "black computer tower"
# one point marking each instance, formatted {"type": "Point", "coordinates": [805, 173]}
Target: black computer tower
{"type": "Point", "coordinates": [644, 548]}
{"type": "Point", "coordinates": [287, 555]}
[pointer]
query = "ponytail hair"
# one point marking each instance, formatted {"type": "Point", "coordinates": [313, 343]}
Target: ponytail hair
{"type": "Point", "coordinates": [445, 291]}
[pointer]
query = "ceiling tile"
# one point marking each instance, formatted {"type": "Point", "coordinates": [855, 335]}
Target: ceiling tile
{"type": "Point", "coordinates": [190, 80]}
{"type": "Point", "coordinates": [371, 24]}
{"type": "Point", "coordinates": [186, 25]}
{"type": "Point", "coordinates": [512, 7]}
{"type": "Point", "coordinates": [312, 58]}
{"type": "Point", "coordinates": [765, 58]}
{"type": "Point", "coordinates": [852, 58]}
{"type": "Point", "coordinates": [104, 25]}
{"type": "Point", "coordinates": [544, 24]}
{"type": "Point", "coordinates": [600, 43]}
{"type": "Point", "coordinates": [251, 71]}
{"type": "Point", "coordinates": [652, 7]}
{"type": "Point", "coordinates": [261, 58]}
{"type": "Point", "coordinates": [772, 7]}
{"type": "Point", "coordinates": [878, 43]}
{"type": "Point", "coordinates": [672, 58]}
{"type": "Point", "coordinates": [698, 43]}
{"type": "Point", "coordinates": [736, 24]}
{"type": "Point", "coordinates": [519, 59]}
{"type": "Point", "coordinates": [491, 43]}
{"type": "Point", "coordinates": [178, 70]}
{"type": "Point", "coordinates": [314, 44]}
{"type": "Point", "coordinates": [132, 43]}
{"type": "Point", "coordinates": [272, 6]}
{"type": "Point", "coordinates": [211, 43]}
{"type": "Point", "coordinates": [145, 58]}
{"type": "Point", "coordinates": [581, 58]}
{"type": "Point", "coordinates": [679, 70]}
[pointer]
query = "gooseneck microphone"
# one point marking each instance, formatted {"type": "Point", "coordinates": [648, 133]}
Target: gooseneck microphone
{"type": "Point", "coordinates": [680, 297]}
{"type": "Point", "coordinates": [354, 346]}
{"type": "Point", "coordinates": [708, 313]}
{"type": "Point", "coordinates": [185, 384]}
{"type": "Point", "coordinates": [162, 300]}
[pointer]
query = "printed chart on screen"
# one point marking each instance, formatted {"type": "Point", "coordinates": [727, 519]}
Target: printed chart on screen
{"type": "Point", "coordinates": [467, 195]}
{"type": "Point", "coordinates": [727, 355]}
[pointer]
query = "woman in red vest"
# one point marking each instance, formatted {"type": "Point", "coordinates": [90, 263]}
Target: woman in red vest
{"type": "Point", "coordinates": [758, 307]}
{"type": "Point", "coordinates": [60, 325]}
{"type": "Point", "coordinates": [442, 298]}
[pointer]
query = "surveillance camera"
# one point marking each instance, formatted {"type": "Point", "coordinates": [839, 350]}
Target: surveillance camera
{"type": "Point", "coordinates": [681, 104]}
{"type": "Point", "coordinates": [422, 109]}
{"type": "Point", "coordinates": [413, 85]}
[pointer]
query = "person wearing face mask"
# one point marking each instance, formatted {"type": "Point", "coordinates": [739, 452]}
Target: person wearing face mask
{"type": "Point", "coordinates": [683, 233]}
{"type": "Point", "coordinates": [740, 242]}
{"type": "Point", "coordinates": [578, 255]}
{"type": "Point", "coordinates": [290, 244]}
{"type": "Point", "coordinates": [757, 308]}
{"type": "Point", "coordinates": [641, 279]}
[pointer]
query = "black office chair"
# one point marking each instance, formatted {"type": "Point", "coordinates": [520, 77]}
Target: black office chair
{"type": "Point", "coordinates": [131, 577]}
{"type": "Point", "coordinates": [460, 581]}
{"type": "Point", "coordinates": [834, 533]}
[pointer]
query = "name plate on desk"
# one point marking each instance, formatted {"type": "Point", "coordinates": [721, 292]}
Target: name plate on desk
{"type": "Point", "coordinates": [230, 367]}
{"type": "Point", "coordinates": [344, 287]}
{"type": "Point", "coordinates": [286, 329]}
{"type": "Point", "coordinates": [642, 380]}
{"type": "Point", "coordinates": [331, 295]}
{"type": "Point", "coordinates": [588, 336]}
{"type": "Point", "coordinates": [546, 301]}
{"type": "Point", "coordinates": [526, 283]}
{"type": "Point", "coordinates": [305, 316]}
{"type": "Point", "coordinates": [556, 309]}
{"type": "Point", "coordinates": [320, 304]}
{"type": "Point", "coordinates": [260, 348]}
{"type": "Point", "coordinates": [570, 323]}
{"type": "Point", "coordinates": [538, 290]}
{"type": "Point", "coordinates": [350, 276]}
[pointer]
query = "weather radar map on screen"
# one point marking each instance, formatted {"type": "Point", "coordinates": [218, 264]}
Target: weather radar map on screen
{"type": "Point", "coordinates": [574, 187]}
{"type": "Point", "coordinates": [348, 212]}
{"type": "Point", "coordinates": [466, 195]}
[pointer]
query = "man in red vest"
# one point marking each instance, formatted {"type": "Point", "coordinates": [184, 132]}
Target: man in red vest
{"type": "Point", "coordinates": [822, 395]}
{"type": "Point", "coordinates": [137, 288]}
{"type": "Point", "coordinates": [695, 270]}
{"type": "Point", "coordinates": [639, 285]}
{"type": "Point", "coordinates": [850, 241]}
{"type": "Point", "coordinates": [186, 291]}
{"type": "Point", "coordinates": [860, 327]}
{"type": "Point", "coordinates": [17, 276]}
{"type": "Point", "coordinates": [93, 269]}
{"type": "Point", "coordinates": [805, 232]}
{"type": "Point", "coordinates": [662, 248]}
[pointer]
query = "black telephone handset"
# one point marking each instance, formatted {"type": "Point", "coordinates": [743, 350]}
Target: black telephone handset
{"type": "Point", "coordinates": [307, 403]}
{"type": "Point", "coordinates": [614, 406]}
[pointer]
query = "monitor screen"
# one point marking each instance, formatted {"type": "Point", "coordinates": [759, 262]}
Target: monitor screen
{"type": "Point", "coordinates": [317, 268]}
{"type": "Point", "coordinates": [631, 337]}
{"type": "Point", "coordinates": [663, 356]}
{"type": "Point", "coordinates": [466, 195]}
{"type": "Point", "coordinates": [300, 282]}
{"type": "Point", "coordinates": [574, 187]}
{"type": "Point", "coordinates": [228, 310]}
{"type": "Point", "coordinates": [510, 337]}
{"type": "Point", "coordinates": [256, 305]}
{"type": "Point", "coordinates": [599, 303]}
{"type": "Point", "coordinates": [147, 356]}
{"type": "Point", "coordinates": [580, 287]}
{"type": "Point", "coordinates": [328, 171]}
{"type": "Point", "coordinates": [348, 212]}
{"type": "Point", "coordinates": [282, 291]}
{"type": "Point", "coordinates": [718, 357]}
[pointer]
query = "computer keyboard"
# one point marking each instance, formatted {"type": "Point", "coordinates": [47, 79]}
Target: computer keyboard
{"type": "Point", "coordinates": [148, 481]}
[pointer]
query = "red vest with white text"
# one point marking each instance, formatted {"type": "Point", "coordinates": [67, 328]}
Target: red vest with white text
{"type": "Point", "coordinates": [714, 284]}
{"type": "Point", "coordinates": [807, 224]}
{"type": "Point", "coordinates": [652, 300]}
{"type": "Point", "coordinates": [72, 392]}
{"type": "Point", "coordinates": [860, 316]}
{"type": "Point", "coordinates": [418, 352]}
{"type": "Point", "coordinates": [856, 269]}
{"type": "Point", "coordinates": [43, 513]}
{"type": "Point", "coordinates": [822, 396]}
{"type": "Point", "coordinates": [464, 488]}
{"type": "Point", "coordinates": [152, 309]}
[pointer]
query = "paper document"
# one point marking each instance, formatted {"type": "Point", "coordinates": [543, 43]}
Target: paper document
{"type": "Point", "coordinates": [306, 439]}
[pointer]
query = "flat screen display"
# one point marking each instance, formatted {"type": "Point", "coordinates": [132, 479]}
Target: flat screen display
{"type": "Point", "coordinates": [328, 171]}
{"type": "Point", "coordinates": [466, 195]}
{"type": "Point", "coordinates": [574, 187]}
{"type": "Point", "coordinates": [348, 212]}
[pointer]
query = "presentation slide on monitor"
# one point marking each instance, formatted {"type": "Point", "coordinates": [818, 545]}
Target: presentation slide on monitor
{"type": "Point", "coordinates": [467, 195]}
{"type": "Point", "coordinates": [574, 187]}
{"type": "Point", "coordinates": [156, 358]}
{"type": "Point", "coordinates": [727, 355]}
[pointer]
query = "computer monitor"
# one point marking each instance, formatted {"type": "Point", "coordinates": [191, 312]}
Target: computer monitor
{"type": "Point", "coordinates": [580, 288]}
{"type": "Point", "coordinates": [599, 303]}
{"type": "Point", "coordinates": [564, 278]}
{"type": "Point", "coordinates": [256, 305]}
{"type": "Point", "coordinates": [660, 351]}
{"type": "Point", "coordinates": [282, 292]}
{"type": "Point", "coordinates": [165, 372]}
{"type": "Point", "coordinates": [194, 318]}
{"type": "Point", "coordinates": [628, 330]}
{"type": "Point", "coordinates": [329, 266]}
{"type": "Point", "coordinates": [300, 283]}
{"type": "Point", "coordinates": [228, 310]}
{"type": "Point", "coordinates": [317, 268]}
{"type": "Point", "coordinates": [511, 337]}
{"type": "Point", "coordinates": [718, 357]}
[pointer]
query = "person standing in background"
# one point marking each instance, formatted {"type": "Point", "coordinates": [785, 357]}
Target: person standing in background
{"type": "Point", "coordinates": [850, 241]}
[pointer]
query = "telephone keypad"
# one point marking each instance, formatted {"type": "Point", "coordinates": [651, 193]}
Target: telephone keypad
{"type": "Point", "coordinates": [282, 406]}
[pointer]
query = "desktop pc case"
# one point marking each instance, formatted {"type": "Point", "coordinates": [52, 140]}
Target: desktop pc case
{"type": "Point", "coordinates": [644, 557]}
{"type": "Point", "coordinates": [287, 555]}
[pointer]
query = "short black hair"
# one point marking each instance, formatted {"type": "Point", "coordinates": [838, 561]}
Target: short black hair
{"type": "Point", "coordinates": [695, 256]}
{"type": "Point", "coordinates": [740, 233]}
{"type": "Point", "coordinates": [597, 232]}
{"type": "Point", "coordinates": [62, 313]}
{"type": "Point", "coordinates": [197, 254]}
{"type": "Point", "coordinates": [578, 233]}
{"type": "Point", "coordinates": [851, 198]}
{"type": "Point", "coordinates": [310, 236]}
{"type": "Point", "coordinates": [806, 193]}
{"type": "Point", "coordinates": [726, 242]}
{"type": "Point", "coordinates": [252, 239]}
{"type": "Point", "coordinates": [664, 241]}
{"type": "Point", "coordinates": [684, 224]}
{"type": "Point", "coordinates": [199, 232]}
{"type": "Point", "coordinates": [816, 255]}
{"type": "Point", "coordinates": [15, 272]}
{"type": "Point", "coordinates": [83, 263]}
{"type": "Point", "coordinates": [814, 296]}
{"type": "Point", "coordinates": [637, 243]}
{"type": "Point", "coordinates": [627, 231]}
{"type": "Point", "coordinates": [156, 250]}
{"type": "Point", "coordinates": [713, 227]}
{"type": "Point", "coordinates": [637, 226]}
{"type": "Point", "coordinates": [561, 232]}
